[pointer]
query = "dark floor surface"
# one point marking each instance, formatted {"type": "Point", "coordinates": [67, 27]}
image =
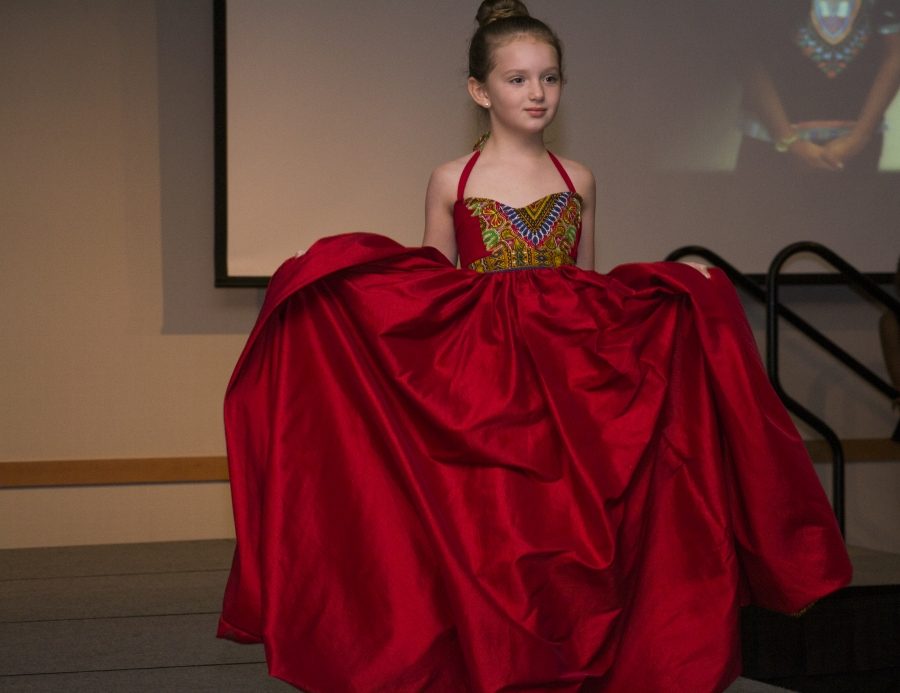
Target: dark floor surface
{"type": "Point", "coordinates": [142, 617]}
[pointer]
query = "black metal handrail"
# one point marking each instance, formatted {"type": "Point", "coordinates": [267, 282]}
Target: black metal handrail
{"type": "Point", "coordinates": [774, 310]}
{"type": "Point", "coordinates": [858, 281]}
{"type": "Point", "coordinates": [758, 293]}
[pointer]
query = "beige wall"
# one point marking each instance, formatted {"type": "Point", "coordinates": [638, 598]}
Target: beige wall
{"type": "Point", "coordinates": [114, 342]}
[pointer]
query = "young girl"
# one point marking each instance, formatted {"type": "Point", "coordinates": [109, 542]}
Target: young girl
{"type": "Point", "coordinates": [515, 75]}
{"type": "Point", "coordinates": [520, 474]}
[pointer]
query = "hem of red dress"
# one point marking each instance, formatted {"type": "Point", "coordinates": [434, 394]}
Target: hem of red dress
{"type": "Point", "coordinates": [798, 610]}
{"type": "Point", "coordinates": [228, 631]}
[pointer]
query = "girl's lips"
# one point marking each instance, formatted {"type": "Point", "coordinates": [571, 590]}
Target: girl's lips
{"type": "Point", "coordinates": [536, 111]}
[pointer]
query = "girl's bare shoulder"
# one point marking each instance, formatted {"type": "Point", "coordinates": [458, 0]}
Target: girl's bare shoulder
{"type": "Point", "coordinates": [445, 178]}
{"type": "Point", "coordinates": [581, 175]}
{"type": "Point", "coordinates": [450, 171]}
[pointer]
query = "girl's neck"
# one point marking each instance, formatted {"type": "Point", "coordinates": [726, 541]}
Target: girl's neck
{"type": "Point", "coordinates": [513, 146]}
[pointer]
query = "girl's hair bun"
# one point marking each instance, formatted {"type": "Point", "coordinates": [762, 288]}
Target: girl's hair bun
{"type": "Point", "coordinates": [500, 21]}
{"type": "Point", "coordinates": [492, 10]}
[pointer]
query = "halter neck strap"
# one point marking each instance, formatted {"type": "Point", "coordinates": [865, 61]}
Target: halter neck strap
{"type": "Point", "coordinates": [562, 172]}
{"type": "Point", "coordinates": [464, 177]}
{"type": "Point", "coordinates": [467, 170]}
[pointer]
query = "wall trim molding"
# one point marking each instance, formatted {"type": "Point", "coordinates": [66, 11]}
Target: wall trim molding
{"type": "Point", "coordinates": [171, 470]}
{"type": "Point", "coordinates": [857, 450]}
{"type": "Point", "coordinates": [105, 472]}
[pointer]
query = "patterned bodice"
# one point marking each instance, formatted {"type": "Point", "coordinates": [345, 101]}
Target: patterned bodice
{"type": "Point", "coordinates": [494, 237]}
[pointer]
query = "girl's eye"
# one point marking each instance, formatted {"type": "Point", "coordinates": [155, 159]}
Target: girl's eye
{"type": "Point", "coordinates": [551, 79]}
{"type": "Point", "coordinates": [517, 80]}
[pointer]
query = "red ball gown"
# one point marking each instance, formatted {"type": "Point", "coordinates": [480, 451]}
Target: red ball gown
{"type": "Point", "coordinates": [514, 476]}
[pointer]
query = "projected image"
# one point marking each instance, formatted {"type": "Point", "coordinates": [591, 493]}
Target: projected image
{"type": "Point", "coordinates": [791, 132]}
{"type": "Point", "coordinates": [802, 85]}
{"type": "Point", "coordinates": [739, 125]}
{"type": "Point", "coordinates": [817, 79]}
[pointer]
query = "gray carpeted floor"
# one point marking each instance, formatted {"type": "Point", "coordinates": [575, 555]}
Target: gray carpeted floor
{"type": "Point", "coordinates": [142, 617]}
{"type": "Point", "coordinates": [131, 617]}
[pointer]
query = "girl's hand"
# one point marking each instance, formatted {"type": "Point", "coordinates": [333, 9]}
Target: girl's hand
{"type": "Point", "coordinates": [813, 157]}
{"type": "Point", "coordinates": [841, 149]}
{"type": "Point", "coordinates": [702, 269]}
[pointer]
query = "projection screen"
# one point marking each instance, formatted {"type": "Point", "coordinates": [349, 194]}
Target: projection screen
{"type": "Point", "coordinates": [331, 116]}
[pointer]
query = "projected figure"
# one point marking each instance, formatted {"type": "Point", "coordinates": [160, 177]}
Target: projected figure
{"type": "Point", "coordinates": [520, 474]}
{"type": "Point", "coordinates": [817, 77]}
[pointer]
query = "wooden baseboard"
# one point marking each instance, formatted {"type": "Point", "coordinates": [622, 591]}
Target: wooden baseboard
{"type": "Point", "coordinates": [857, 450]}
{"type": "Point", "coordinates": [167, 470]}
{"type": "Point", "coordinates": [151, 470]}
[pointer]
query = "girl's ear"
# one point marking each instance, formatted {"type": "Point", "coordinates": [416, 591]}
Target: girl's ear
{"type": "Point", "coordinates": [478, 93]}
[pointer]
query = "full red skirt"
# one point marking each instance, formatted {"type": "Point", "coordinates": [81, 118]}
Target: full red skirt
{"type": "Point", "coordinates": [522, 481]}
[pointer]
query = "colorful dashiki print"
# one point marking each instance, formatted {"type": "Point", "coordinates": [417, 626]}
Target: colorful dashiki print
{"type": "Point", "coordinates": [542, 234]}
{"type": "Point", "coordinates": [834, 34]}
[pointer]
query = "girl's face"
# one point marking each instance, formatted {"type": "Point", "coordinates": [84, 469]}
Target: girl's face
{"type": "Point", "coordinates": [522, 90]}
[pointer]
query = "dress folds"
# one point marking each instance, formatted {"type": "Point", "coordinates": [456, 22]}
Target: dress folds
{"type": "Point", "coordinates": [529, 480]}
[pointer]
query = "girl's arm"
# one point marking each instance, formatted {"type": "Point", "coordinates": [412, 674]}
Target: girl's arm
{"type": "Point", "coordinates": [762, 96]}
{"type": "Point", "coordinates": [881, 93]}
{"type": "Point", "coordinates": [439, 199]}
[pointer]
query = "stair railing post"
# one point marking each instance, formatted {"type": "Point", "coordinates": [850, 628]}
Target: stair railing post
{"type": "Point", "coordinates": [773, 306]}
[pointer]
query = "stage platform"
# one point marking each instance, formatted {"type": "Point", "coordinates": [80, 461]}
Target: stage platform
{"type": "Point", "coordinates": [847, 643]}
{"type": "Point", "coordinates": [142, 617]}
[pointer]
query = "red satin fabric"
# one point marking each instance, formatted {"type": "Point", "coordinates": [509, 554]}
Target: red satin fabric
{"type": "Point", "coordinates": [519, 481]}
